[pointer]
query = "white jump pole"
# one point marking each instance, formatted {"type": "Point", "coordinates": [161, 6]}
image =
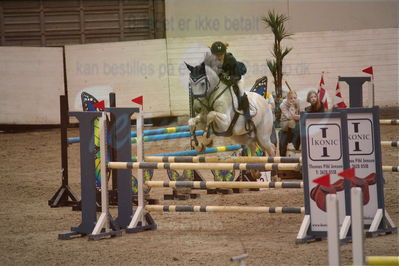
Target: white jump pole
{"type": "Point", "coordinates": [357, 226]}
{"type": "Point", "coordinates": [333, 230]}
{"type": "Point", "coordinates": [139, 213]}
{"type": "Point", "coordinates": [104, 219]}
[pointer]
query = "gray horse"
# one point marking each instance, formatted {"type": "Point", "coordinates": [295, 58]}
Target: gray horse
{"type": "Point", "coordinates": [215, 106]}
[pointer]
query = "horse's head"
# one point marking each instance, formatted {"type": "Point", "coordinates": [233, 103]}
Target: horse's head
{"type": "Point", "coordinates": [203, 80]}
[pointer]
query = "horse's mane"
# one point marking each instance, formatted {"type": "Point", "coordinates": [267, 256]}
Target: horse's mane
{"type": "Point", "coordinates": [211, 61]}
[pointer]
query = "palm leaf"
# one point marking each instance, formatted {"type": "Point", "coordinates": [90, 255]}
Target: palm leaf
{"type": "Point", "coordinates": [271, 64]}
{"type": "Point", "coordinates": [286, 51]}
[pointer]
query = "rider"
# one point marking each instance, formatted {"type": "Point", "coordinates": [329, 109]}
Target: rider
{"type": "Point", "coordinates": [229, 71]}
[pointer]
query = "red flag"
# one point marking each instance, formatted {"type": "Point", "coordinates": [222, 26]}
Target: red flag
{"type": "Point", "coordinates": [322, 93]}
{"type": "Point", "coordinates": [348, 173]}
{"type": "Point", "coordinates": [138, 100]}
{"type": "Point", "coordinates": [368, 70]}
{"type": "Point", "coordinates": [100, 105]}
{"type": "Point", "coordinates": [339, 100]}
{"type": "Point", "coordinates": [323, 180]}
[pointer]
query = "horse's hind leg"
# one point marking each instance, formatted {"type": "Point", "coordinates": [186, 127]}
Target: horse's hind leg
{"type": "Point", "coordinates": [255, 174]}
{"type": "Point", "coordinates": [265, 143]}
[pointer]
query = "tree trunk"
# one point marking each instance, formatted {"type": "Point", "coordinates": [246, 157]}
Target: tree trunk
{"type": "Point", "coordinates": [277, 110]}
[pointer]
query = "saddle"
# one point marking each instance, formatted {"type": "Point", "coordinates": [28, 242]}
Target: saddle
{"type": "Point", "coordinates": [319, 193]}
{"type": "Point", "coordinates": [235, 104]}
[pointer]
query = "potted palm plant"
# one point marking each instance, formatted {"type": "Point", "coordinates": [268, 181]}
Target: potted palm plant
{"type": "Point", "coordinates": [276, 23]}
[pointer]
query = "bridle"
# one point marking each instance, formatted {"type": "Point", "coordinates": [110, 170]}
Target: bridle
{"type": "Point", "coordinates": [198, 80]}
{"type": "Point", "coordinates": [199, 97]}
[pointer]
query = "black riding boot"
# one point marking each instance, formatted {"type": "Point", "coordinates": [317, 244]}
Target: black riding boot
{"type": "Point", "coordinates": [244, 106]}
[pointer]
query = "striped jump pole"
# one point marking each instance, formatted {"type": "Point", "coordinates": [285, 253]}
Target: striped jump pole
{"type": "Point", "coordinates": [388, 168]}
{"type": "Point", "coordinates": [219, 159]}
{"type": "Point", "coordinates": [190, 153]}
{"type": "Point", "coordinates": [159, 131]}
{"type": "Point", "coordinates": [177, 135]}
{"type": "Point", "coordinates": [389, 143]}
{"type": "Point", "coordinates": [213, 184]}
{"type": "Point", "coordinates": [389, 121]}
{"type": "Point", "coordinates": [221, 166]}
{"type": "Point", "coordinates": [207, 150]}
{"type": "Point", "coordinates": [239, 209]}
{"type": "Point", "coordinates": [149, 132]}
{"type": "Point", "coordinates": [206, 166]}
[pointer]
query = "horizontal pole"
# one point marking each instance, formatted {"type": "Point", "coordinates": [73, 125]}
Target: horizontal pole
{"type": "Point", "coordinates": [224, 159]}
{"type": "Point", "coordinates": [239, 257]}
{"type": "Point", "coordinates": [194, 152]}
{"type": "Point", "coordinates": [177, 135]}
{"type": "Point", "coordinates": [389, 122]}
{"type": "Point", "coordinates": [389, 143]}
{"type": "Point", "coordinates": [206, 166]}
{"type": "Point", "coordinates": [162, 131]}
{"type": "Point", "coordinates": [382, 260]}
{"type": "Point", "coordinates": [207, 151]}
{"type": "Point", "coordinates": [213, 184]}
{"type": "Point", "coordinates": [389, 168]}
{"type": "Point", "coordinates": [221, 166]}
{"type": "Point", "coordinates": [149, 132]}
{"type": "Point", "coordinates": [184, 208]}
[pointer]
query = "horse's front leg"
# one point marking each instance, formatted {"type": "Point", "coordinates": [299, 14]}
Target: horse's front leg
{"type": "Point", "coordinates": [221, 122]}
{"type": "Point", "coordinates": [192, 124]}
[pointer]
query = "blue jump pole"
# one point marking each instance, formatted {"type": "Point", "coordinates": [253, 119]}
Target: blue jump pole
{"type": "Point", "coordinates": [195, 153]}
{"type": "Point", "coordinates": [159, 131]}
{"type": "Point", "coordinates": [177, 135]}
{"type": "Point", "coordinates": [149, 132]}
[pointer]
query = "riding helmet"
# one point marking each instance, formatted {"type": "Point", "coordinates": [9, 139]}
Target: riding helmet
{"type": "Point", "coordinates": [218, 48]}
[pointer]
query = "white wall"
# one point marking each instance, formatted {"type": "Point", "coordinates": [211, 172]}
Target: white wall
{"type": "Point", "coordinates": [221, 17]}
{"type": "Point", "coordinates": [130, 69]}
{"type": "Point", "coordinates": [31, 80]}
{"type": "Point", "coordinates": [338, 53]}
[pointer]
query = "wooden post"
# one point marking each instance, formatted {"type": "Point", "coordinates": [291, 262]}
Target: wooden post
{"type": "Point", "coordinates": [357, 226]}
{"type": "Point", "coordinates": [333, 230]}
